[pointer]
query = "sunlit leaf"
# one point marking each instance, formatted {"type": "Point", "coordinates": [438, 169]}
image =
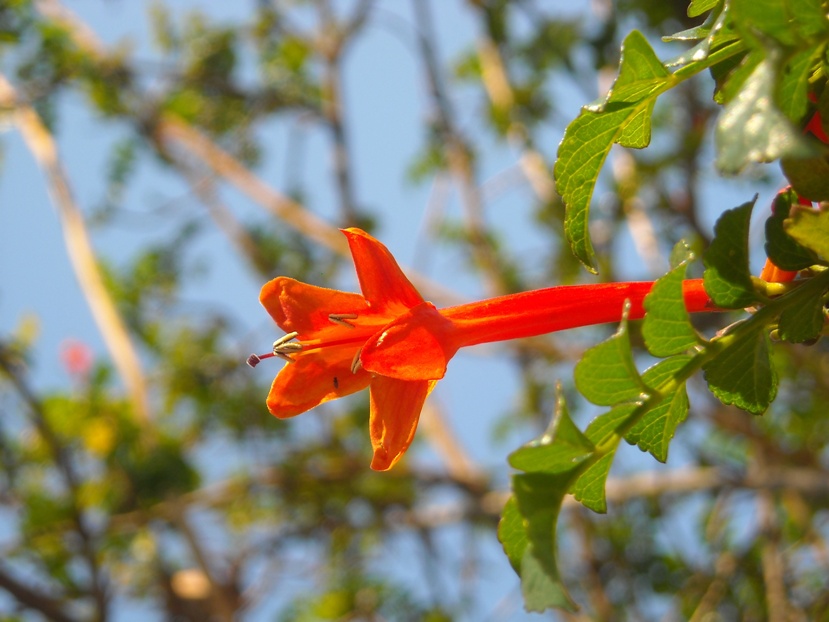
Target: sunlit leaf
{"type": "Point", "coordinates": [727, 276]}
{"type": "Point", "coordinates": [742, 373]}
{"type": "Point", "coordinates": [606, 374]}
{"type": "Point", "coordinates": [667, 328]}
{"type": "Point", "coordinates": [561, 448]}
{"type": "Point", "coordinates": [781, 248]}
{"type": "Point", "coordinates": [810, 228]}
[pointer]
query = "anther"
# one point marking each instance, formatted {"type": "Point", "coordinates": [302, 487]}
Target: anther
{"type": "Point", "coordinates": [284, 339]}
{"type": "Point", "coordinates": [342, 319]}
{"type": "Point", "coordinates": [356, 365]}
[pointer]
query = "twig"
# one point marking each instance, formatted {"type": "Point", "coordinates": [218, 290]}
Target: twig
{"type": "Point", "coordinates": [458, 157]}
{"type": "Point", "coordinates": [51, 608]}
{"type": "Point", "coordinates": [171, 130]}
{"type": "Point", "coordinates": [78, 246]}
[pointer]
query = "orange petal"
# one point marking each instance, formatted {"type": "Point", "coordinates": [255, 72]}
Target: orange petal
{"type": "Point", "coordinates": [381, 280]}
{"type": "Point", "coordinates": [395, 411]}
{"type": "Point", "coordinates": [304, 308]}
{"type": "Point", "coordinates": [314, 378]}
{"type": "Point", "coordinates": [417, 345]}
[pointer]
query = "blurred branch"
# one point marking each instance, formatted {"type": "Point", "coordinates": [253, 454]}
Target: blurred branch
{"type": "Point", "coordinates": [171, 130]}
{"type": "Point", "coordinates": [498, 87]}
{"type": "Point", "coordinates": [51, 608]}
{"type": "Point", "coordinates": [459, 158]}
{"type": "Point", "coordinates": [204, 188]}
{"type": "Point", "coordinates": [331, 43]}
{"type": "Point", "coordinates": [69, 475]}
{"type": "Point", "coordinates": [79, 248]}
{"type": "Point", "coordinates": [458, 462]}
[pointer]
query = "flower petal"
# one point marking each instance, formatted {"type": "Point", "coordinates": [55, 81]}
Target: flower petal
{"type": "Point", "coordinates": [314, 378]}
{"type": "Point", "coordinates": [304, 308]}
{"type": "Point", "coordinates": [417, 345]}
{"type": "Point", "coordinates": [395, 411]}
{"type": "Point", "coordinates": [381, 280]}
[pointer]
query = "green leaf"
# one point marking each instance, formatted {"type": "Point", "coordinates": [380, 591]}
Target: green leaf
{"type": "Point", "coordinates": [667, 328]}
{"type": "Point", "coordinates": [655, 430]}
{"type": "Point", "coordinates": [512, 533]}
{"type": "Point", "coordinates": [603, 428]}
{"type": "Point", "coordinates": [792, 91]}
{"type": "Point", "coordinates": [763, 17]}
{"type": "Point", "coordinates": [781, 248]}
{"type": "Point", "coordinates": [561, 448]}
{"type": "Point", "coordinates": [606, 374]}
{"type": "Point", "coordinates": [658, 375]}
{"type": "Point", "coordinates": [752, 128]}
{"type": "Point", "coordinates": [539, 497]}
{"type": "Point", "coordinates": [727, 276]}
{"type": "Point", "coordinates": [810, 228]}
{"type": "Point", "coordinates": [698, 7]}
{"type": "Point", "coordinates": [742, 373]}
{"type": "Point", "coordinates": [624, 118]}
{"type": "Point", "coordinates": [589, 489]}
{"type": "Point", "coordinates": [808, 176]}
{"type": "Point", "coordinates": [800, 323]}
{"type": "Point", "coordinates": [808, 18]}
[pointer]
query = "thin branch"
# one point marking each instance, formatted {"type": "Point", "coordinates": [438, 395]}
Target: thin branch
{"type": "Point", "coordinates": [459, 158]}
{"type": "Point", "coordinates": [51, 608]}
{"type": "Point", "coordinates": [67, 470]}
{"type": "Point", "coordinates": [79, 248]}
{"type": "Point", "coordinates": [173, 131]}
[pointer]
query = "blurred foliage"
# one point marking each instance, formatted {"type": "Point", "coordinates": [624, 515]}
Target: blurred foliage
{"type": "Point", "coordinates": [213, 510]}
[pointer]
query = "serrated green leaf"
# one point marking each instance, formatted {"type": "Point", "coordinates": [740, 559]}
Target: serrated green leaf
{"type": "Point", "coordinates": [561, 448]}
{"type": "Point", "coordinates": [681, 253]}
{"type": "Point", "coordinates": [769, 17]}
{"type": "Point", "coordinates": [606, 374]}
{"type": "Point", "coordinates": [539, 497]}
{"type": "Point", "coordinates": [512, 534]}
{"type": "Point", "coordinates": [624, 118]}
{"type": "Point", "coordinates": [727, 276]}
{"type": "Point", "coordinates": [660, 373]}
{"type": "Point", "coordinates": [603, 428]}
{"type": "Point", "coordinates": [742, 373]}
{"type": "Point", "coordinates": [808, 176]}
{"type": "Point", "coordinates": [667, 328]}
{"type": "Point", "coordinates": [781, 248]}
{"type": "Point", "coordinates": [589, 488]}
{"type": "Point", "coordinates": [698, 7]}
{"type": "Point", "coordinates": [802, 323]}
{"type": "Point", "coordinates": [810, 228]}
{"type": "Point", "coordinates": [654, 431]}
{"type": "Point", "coordinates": [808, 18]}
{"type": "Point", "coordinates": [752, 128]}
{"type": "Point", "coordinates": [792, 91]}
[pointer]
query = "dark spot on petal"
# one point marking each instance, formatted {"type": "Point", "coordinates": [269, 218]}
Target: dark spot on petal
{"type": "Point", "coordinates": [336, 383]}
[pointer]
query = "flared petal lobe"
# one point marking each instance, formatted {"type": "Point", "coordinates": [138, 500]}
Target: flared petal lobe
{"type": "Point", "coordinates": [382, 281]}
{"type": "Point", "coordinates": [315, 378]}
{"type": "Point", "coordinates": [415, 346]}
{"type": "Point", "coordinates": [395, 411]}
{"type": "Point", "coordinates": [303, 308]}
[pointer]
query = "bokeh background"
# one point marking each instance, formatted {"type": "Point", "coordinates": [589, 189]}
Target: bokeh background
{"type": "Point", "coordinates": [162, 160]}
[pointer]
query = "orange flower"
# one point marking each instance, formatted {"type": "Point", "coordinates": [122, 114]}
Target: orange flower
{"type": "Point", "coordinates": [391, 340]}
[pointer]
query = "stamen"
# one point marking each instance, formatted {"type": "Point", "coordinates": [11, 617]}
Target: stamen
{"type": "Point", "coordinates": [281, 348]}
{"type": "Point", "coordinates": [284, 339]}
{"type": "Point", "coordinates": [342, 319]}
{"type": "Point", "coordinates": [255, 359]}
{"type": "Point", "coordinates": [356, 365]}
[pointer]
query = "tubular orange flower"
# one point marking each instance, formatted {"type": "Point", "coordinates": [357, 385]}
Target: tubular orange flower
{"type": "Point", "coordinates": [391, 340]}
